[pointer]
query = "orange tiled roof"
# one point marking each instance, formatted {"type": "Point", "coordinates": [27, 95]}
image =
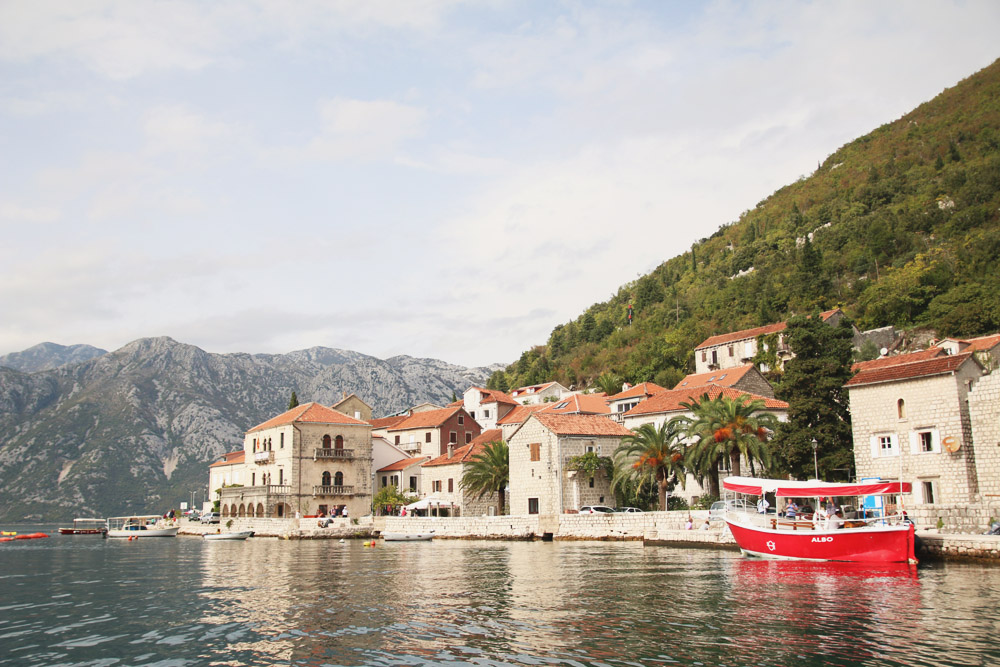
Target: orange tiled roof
{"type": "Point", "coordinates": [722, 339]}
{"type": "Point", "coordinates": [456, 404]}
{"type": "Point", "coordinates": [386, 422]}
{"type": "Point", "coordinates": [670, 401]}
{"type": "Point", "coordinates": [934, 366]}
{"type": "Point", "coordinates": [580, 424]}
{"type": "Point", "coordinates": [231, 458]}
{"type": "Point", "coordinates": [643, 389]}
{"type": "Point", "coordinates": [428, 419]}
{"type": "Point", "coordinates": [403, 464]}
{"type": "Point", "coordinates": [531, 389]}
{"type": "Point", "coordinates": [314, 413]}
{"type": "Point", "coordinates": [466, 452]}
{"type": "Point", "coordinates": [897, 359]}
{"type": "Point", "coordinates": [983, 343]}
{"type": "Point", "coordinates": [520, 414]}
{"type": "Point", "coordinates": [724, 378]}
{"type": "Point", "coordinates": [594, 404]}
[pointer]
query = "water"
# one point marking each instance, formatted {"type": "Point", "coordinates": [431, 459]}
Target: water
{"type": "Point", "coordinates": [183, 601]}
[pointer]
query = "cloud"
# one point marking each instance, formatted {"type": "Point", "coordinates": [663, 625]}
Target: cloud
{"type": "Point", "coordinates": [365, 130]}
{"type": "Point", "coordinates": [13, 213]}
{"type": "Point", "coordinates": [178, 129]}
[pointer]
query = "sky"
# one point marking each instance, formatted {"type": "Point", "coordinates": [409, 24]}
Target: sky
{"type": "Point", "coordinates": [434, 178]}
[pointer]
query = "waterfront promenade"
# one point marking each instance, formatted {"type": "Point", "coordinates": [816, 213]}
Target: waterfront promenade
{"type": "Point", "coordinates": [652, 528]}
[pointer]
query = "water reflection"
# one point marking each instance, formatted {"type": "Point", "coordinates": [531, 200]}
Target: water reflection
{"type": "Point", "coordinates": [264, 602]}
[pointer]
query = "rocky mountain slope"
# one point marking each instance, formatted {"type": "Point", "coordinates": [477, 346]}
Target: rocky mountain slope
{"type": "Point", "coordinates": [135, 429]}
{"type": "Point", "coordinates": [45, 356]}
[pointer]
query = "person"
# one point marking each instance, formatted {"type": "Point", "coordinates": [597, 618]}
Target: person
{"type": "Point", "coordinates": [705, 526]}
{"type": "Point", "coordinates": [762, 505]}
{"type": "Point", "coordinates": [689, 524]}
{"type": "Point", "coordinates": [344, 512]}
{"type": "Point", "coordinates": [402, 512]}
{"type": "Point", "coordinates": [791, 509]}
{"type": "Point", "coordinates": [835, 520]}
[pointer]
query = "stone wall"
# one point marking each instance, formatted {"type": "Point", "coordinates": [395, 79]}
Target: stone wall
{"type": "Point", "coordinates": [984, 411]}
{"type": "Point", "coordinates": [471, 527]}
{"type": "Point", "coordinates": [963, 519]}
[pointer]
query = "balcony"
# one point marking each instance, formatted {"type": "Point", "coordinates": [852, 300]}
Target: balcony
{"type": "Point", "coordinates": [333, 490]}
{"type": "Point", "coordinates": [261, 458]}
{"type": "Point", "coordinates": [262, 490]}
{"type": "Point", "coordinates": [338, 454]}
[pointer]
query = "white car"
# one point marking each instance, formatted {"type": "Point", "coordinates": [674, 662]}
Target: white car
{"type": "Point", "coordinates": [596, 509]}
{"type": "Point", "coordinates": [628, 510]}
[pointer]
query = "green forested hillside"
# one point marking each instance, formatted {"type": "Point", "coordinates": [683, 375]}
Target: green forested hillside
{"type": "Point", "coordinates": [905, 225]}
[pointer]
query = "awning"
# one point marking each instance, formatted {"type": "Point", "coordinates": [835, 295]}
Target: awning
{"type": "Point", "coordinates": [784, 488]}
{"type": "Point", "coordinates": [427, 502]}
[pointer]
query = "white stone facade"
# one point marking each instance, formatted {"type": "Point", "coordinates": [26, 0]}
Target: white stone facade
{"type": "Point", "coordinates": [984, 412]}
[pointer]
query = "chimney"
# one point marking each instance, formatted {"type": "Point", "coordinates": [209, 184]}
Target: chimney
{"type": "Point", "coordinates": [451, 450]}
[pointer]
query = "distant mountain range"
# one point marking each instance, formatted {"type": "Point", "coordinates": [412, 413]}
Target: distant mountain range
{"type": "Point", "coordinates": [135, 429]}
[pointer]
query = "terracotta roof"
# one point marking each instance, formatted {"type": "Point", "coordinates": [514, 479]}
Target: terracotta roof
{"type": "Point", "coordinates": [531, 389]}
{"type": "Point", "coordinates": [456, 404]}
{"type": "Point", "coordinates": [897, 359]}
{"type": "Point", "coordinates": [231, 458]}
{"type": "Point", "coordinates": [936, 366]}
{"type": "Point", "coordinates": [520, 414]}
{"type": "Point", "coordinates": [466, 452]}
{"type": "Point", "coordinates": [722, 339]}
{"type": "Point", "coordinates": [428, 419]}
{"type": "Point", "coordinates": [580, 424]}
{"type": "Point", "coordinates": [386, 422]}
{"type": "Point", "coordinates": [402, 465]}
{"type": "Point", "coordinates": [727, 377]}
{"type": "Point", "coordinates": [643, 389]}
{"type": "Point", "coordinates": [982, 343]}
{"type": "Point", "coordinates": [314, 413]}
{"type": "Point", "coordinates": [594, 404]}
{"type": "Point", "coordinates": [670, 401]}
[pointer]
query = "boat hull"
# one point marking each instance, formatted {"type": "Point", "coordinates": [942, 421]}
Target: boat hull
{"type": "Point", "coordinates": [407, 537]}
{"type": "Point", "coordinates": [875, 544]}
{"type": "Point", "coordinates": [153, 532]}
{"type": "Point", "coordinates": [81, 531]}
{"type": "Point", "coordinates": [241, 535]}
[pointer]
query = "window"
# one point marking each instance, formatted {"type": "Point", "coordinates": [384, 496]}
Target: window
{"type": "Point", "coordinates": [451, 485]}
{"type": "Point", "coordinates": [928, 491]}
{"type": "Point", "coordinates": [339, 442]}
{"type": "Point", "coordinates": [461, 420]}
{"type": "Point", "coordinates": [338, 479]}
{"type": "Point", "coordinates": [486, 414]}
{"type": "Point", "coordinates": [326, 442]}
{"type": "Point", "coordinates": [730, 350]}
{"type": "Point", "coordinates": [397, 439]}
{"type": "Point", "coordinates": [385, 480]}
{"type": "Point", "coordinates": [901, 409]}
{"type": "Point", "coordinates": [532, 505]}
{"type": "Point", "coordinates": [704, 356]}
{"type": "Point", "coordinates": [715, 357]}
{"type": "Point", "coordinates": [591, 482]}
{"type": "Point", "coordinates": [884, 445]}
{"type": "Point", "coordinates": [427, 436]}
{"type": "Point", "coordinates": [281, 476]}
{"type": "Point", "coordinates": [561, 405]}
{"type": "Point", "coordinates": [281, 441]}
{"type": "Point", "coordinates": [926, 441]}
{"type": "Point", "coordinates": [413, 484]}
{"type": "Point", "coordinates": [327, 477]}
{"type": "Point", "coordinates": [468, 438]}
{"type": "Point", "coordinates": [437, 485]}
{"type": "Point", "coordinates": [536, 451]}
{"type": "Point", "coordinates": [472, 413]}
{"type": "Point", "coordinates": [452, 437]}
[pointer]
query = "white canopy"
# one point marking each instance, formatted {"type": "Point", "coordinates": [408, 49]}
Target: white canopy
{"type": "Point", "coordinates": [424, 503]}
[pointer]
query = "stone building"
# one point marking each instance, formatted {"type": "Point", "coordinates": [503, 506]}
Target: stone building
{"type": "Point", "coordinates": [539, 393]}
{"type": "Point", "coordinates": [404, 475]}
{"type": "Point", "coordinates": [746, 378]}
{"type": "Point", "coordinates": [307, 460]}
{"type": "Point", "coordinates": [486, 406]}
{"type": "Point", "coordinates": [911, 421]}
{"type": "Point", "coordinates": [984, 412]}
{"type": "Point", "coordinates": [442, 477]}
{"type": "Point", "coordinates": [353, 406]}
{"type": "Point", "coordinates": [227, 471]}
{"type": "Point", "coordinates": [429, 433]}
{"type": "Point", "coordinates": [739, 348]}
{"type": "Point", "coordinates": [513, 419]}
{"type": "Point", "coordinates": [629, 397]}
{"type": "Point", "coordinates": [540, 450]}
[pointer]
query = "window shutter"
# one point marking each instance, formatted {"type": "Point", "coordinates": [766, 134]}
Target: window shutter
{"type": "Point", "coordinates": [914, 442]}
{"type": "Point", "coordinates": [874, 442]}
{"type": "Point", "coordinates": [935, 440]}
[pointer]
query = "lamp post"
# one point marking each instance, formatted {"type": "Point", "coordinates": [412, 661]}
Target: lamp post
{"type": "Point", "coordinates": [815, 463]}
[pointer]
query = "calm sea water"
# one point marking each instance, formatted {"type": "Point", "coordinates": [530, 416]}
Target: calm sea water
{"type": "Point", "coordinates": [183, 601]}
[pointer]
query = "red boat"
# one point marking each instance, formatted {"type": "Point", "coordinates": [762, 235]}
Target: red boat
{"type": "Point", "coordinates": [866, 539]}
{"type": "Point", "coordinates": [86, 527]}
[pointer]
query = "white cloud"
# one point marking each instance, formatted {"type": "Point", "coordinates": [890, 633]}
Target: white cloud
{"type": "Point", "coordinates": [365, 130]}
{"type": "Point", "coordinates": [178, 129]}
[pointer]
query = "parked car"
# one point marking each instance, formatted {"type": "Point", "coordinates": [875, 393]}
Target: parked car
{"type": "Point", "coordinates": [596, 509]}
{"type": "Point", "coordinates": [627, 510]}
{"type": "Point", "coordinates": [193, 515]}
{"type": "Point", "coordinates": [211, 517]}
{"type": "Point", "coordinates": [720, 507]}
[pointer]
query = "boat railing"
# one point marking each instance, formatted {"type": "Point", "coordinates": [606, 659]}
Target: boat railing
{"type": "Point", "coordinates": [821, 522]}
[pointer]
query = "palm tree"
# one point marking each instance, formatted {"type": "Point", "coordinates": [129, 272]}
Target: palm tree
{"type": "Point", "coordinates": [488, 472]}
{"type": "Point", "coordinates": [609, 383]}
{"type": "Point", "coordinates": [654, 452]}
{"type": "Point", "coordinates": [724, 427]}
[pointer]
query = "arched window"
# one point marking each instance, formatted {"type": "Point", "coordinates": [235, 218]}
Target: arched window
{"type": "Point", "coordinates": [901, 408]}
{"type": "Point", "coordinates": [326, 442]}
{"type": "Point", "coordinates": [338, 479]}
{"type": "Point", "coordinates": [326, 479]}
{"type": "Point", "coordinates": [260, 509]}
{"type": "Point", "coordinates": [339, 443]}
{"type": "Point", "coordinates": [250, 510]}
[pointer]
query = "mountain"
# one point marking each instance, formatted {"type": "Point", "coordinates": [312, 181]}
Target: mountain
{"type": "Point", "coordinates": [135, 429]}
{"type": "Point", "coordinates": [45, 356]}
{"type": "Point", "coordinates": [899, 227]}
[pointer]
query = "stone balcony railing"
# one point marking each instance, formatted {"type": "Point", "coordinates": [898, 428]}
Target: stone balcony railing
{"type": "Point", "coordinates": [263, 457]}
{"type": "Point", "coordinates": [261, 490]}
{"type": "Point", "coordinates": [333, 490]}
{"type": "Point", "coordinates": [327, 453]}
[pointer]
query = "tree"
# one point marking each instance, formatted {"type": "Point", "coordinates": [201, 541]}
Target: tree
{"type": "Point", "coordinates": [813, 385]}
{"type": "Point", "coordinates": [488, 472]}
{"type": "Point", "coordinates": [498, 381]}
{"type": "Point", "coordinates": [293, 402]}
{"type": "Point", "coordinates": [656, 453]}
{"type": "Point", "coordinates": [389, 496]}
{"type": "Point", "coordinates": [454, 396]}
{"type": "Point", "coordinates": [609, 383]}
{"type": "Point", "coordinates": [725, 427]}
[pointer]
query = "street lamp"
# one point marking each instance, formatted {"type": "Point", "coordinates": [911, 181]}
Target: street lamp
{"type": "Point", "coordinates": [815, 463]}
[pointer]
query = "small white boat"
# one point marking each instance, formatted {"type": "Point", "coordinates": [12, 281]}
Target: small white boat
{"type": "Point", "coordinates": [408, 537]}
{"type": "Point", "coordinates": [136, 526]}
{"type": "Point", "coordinates": [235, 535]}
